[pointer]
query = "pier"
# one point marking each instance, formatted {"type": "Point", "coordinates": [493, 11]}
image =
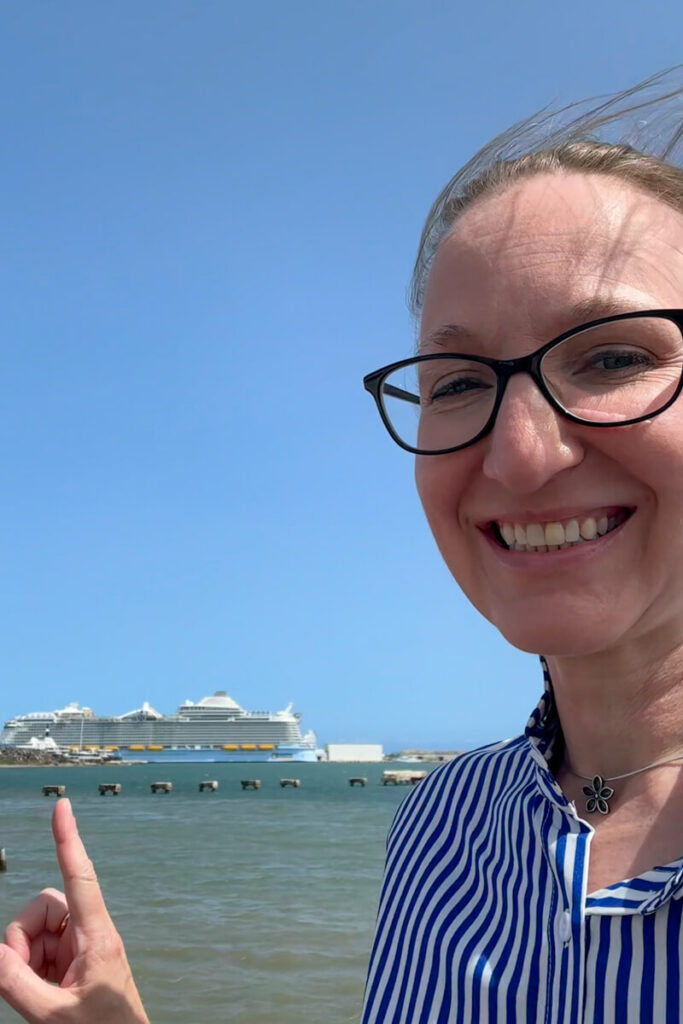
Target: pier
{"type": "Point", "coordinates": [399, 777]}
{"type": "Point", "coordinates": [402, 778]}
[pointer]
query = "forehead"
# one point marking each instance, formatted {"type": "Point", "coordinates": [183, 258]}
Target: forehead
{"type": "Point", "coordinates": [516, 267]}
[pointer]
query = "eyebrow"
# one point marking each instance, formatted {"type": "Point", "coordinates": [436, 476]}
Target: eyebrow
{"type": "Point", "coordinates": [446, 334]}
{"type": "Point", "coordinates": [581, 312]}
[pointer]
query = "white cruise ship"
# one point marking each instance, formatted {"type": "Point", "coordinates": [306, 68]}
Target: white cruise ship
{"type": "Point", "coordinates": [214, 729]}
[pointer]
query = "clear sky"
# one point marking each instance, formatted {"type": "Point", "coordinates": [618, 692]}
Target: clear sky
{"type": "Point", "coordinates": [210, 210]}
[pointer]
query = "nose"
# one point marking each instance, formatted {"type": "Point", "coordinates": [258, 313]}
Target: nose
{"type": "Point", "coordinates": [530, 442]}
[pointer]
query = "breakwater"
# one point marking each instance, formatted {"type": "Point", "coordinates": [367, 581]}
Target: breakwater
{"type": "Point", "coordinates": [12, 757]}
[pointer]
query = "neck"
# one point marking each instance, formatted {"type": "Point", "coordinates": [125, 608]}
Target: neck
{"type": "Point", "coordinates": [620, 710]}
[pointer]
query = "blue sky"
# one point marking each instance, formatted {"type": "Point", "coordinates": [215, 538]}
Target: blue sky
{"type": "Point", "coordinates": [209, 216]}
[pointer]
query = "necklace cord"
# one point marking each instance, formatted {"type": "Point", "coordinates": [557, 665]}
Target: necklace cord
{"type": "Point", "coordinates": [626, 775]}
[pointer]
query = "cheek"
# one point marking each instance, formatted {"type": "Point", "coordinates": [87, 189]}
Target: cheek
{"type": "Point", "coordinates": [441, 484]}
{"type": "Point", "coordinates": [651, 456]}
{"type": "Point", "coordinates": [433, 488]}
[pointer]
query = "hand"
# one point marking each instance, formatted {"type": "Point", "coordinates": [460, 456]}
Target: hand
{"type": "Point", "coordinates": [71, 940]}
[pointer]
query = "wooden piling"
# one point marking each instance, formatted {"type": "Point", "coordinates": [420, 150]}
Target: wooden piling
{"type": "Point", "coordinates": [291, 783]}
{"type": "Point", "coordinates": [161, 787]}
{"type": "Point", "coordinates": [211, 785]}
{"type": "Point", "coordinates": [54, 790]}
{"type": "Point", "coordinates": [251, 783]}
{"type": "Point", "coordinates": [3, 860]}
{"type": "Point", "coordinates": [358, 780]}
{"type": "Point", "coordinates": [109, 787]}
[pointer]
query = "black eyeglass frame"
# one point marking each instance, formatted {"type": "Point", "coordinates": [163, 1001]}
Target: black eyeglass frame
{"type": "Point", "coordinates": [504, 369]}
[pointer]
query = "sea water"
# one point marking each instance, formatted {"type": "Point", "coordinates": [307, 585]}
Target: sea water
{"type": "Point", "coordinates": [246, 907]}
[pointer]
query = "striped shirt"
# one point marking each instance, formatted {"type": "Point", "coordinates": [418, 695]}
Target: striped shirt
{"type": "Point", "coordinates": [484, 914]}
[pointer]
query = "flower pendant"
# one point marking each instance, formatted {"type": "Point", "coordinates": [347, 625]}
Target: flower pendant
{"type": "Point", "coordinates": [598, 794]}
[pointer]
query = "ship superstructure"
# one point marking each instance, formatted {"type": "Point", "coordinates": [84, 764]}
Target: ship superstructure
{"type": "Point", "coordinates": [214, 729]}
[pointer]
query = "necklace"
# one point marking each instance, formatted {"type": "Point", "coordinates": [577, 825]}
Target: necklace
{"type": "Point", "coordinates": [598, 794]}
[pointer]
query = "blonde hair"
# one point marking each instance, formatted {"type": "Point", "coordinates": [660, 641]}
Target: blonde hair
{"type": "Point", "coordinates": [642, 144]}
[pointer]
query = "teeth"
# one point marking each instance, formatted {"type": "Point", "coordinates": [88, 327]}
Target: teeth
{"type": "Point", "coordinates": [553, 536]}
{"type": "Point", "coordinates": [535, 534]}
{"type": "Point", "coordinates": [572, 532]}
{"type": "Point", "coordinates": [508, 534]}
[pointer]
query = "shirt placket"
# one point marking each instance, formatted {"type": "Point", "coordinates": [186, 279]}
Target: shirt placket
{"type": "Point", "coordinates": [568, 842]}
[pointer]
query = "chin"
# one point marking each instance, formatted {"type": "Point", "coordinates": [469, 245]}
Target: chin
{"type": "Point", "coordinates": [565, 636]}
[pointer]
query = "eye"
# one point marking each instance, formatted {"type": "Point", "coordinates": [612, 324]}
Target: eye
{"type": "Point", "coordinates": [618, 360]}
{"type": "Point", "coordinates": [458, 386]}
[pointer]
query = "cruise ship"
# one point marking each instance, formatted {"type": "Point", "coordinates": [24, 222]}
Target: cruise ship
{"type": "Point", "coordinates": [214, 729]}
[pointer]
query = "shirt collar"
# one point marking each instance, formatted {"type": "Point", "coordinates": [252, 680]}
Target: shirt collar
{"type": "Point", "coordinates": [543, 730]}
{"type": "Point", "coordinates": [544, 735]}
{"type": "Point", "coordinates": [643, 894]}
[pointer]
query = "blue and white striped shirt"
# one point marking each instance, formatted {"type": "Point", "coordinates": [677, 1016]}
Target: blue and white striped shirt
{"type": "Point", "coordinates": [484, 915]}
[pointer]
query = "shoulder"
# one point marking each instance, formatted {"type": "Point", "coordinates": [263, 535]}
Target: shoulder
{"type": "Point", "coordinates": [472, 776]}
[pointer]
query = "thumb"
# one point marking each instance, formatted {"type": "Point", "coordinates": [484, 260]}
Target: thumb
{"type": "Point", "coordinates": [33, 999]}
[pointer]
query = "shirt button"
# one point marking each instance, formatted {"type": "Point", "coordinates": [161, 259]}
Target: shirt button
{"type": "Point", "coordinates": [565, 926]}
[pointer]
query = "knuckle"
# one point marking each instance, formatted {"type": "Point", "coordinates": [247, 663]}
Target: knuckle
{"type": "Point", "coordinates": [114, 945]}
{"type": "Point", "coordinates": [11, 982]}
{"type": "Point", "coordinates": [14, 935]}
{"type": "Point", "coordinates": [85, 872]}
{"type": "Point", "coordinates": [107, 956]}
{"type": "Point", "coordinates": [51, 894]}
{"type": "Point", "coordinates": [110, 943]}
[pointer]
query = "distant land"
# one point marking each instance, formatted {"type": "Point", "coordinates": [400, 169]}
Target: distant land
{"type": "Point", "coordinates": [16, 757]}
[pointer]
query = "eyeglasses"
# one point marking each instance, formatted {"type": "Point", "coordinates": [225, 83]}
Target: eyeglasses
{"type": "Point", "coordinates": [607, 373]}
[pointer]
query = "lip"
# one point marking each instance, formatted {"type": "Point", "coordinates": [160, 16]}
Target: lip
{"type": "Point", "coordinates": [554, 515]}
{"type": "Point", "coordinates": [552, 561]}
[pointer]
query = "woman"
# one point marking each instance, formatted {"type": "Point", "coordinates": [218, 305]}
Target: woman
{"type": "Point", "coordinates": [540, 879]}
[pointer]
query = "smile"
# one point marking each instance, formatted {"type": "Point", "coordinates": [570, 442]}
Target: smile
{"type": "Point", "coordinates": [556, 535]}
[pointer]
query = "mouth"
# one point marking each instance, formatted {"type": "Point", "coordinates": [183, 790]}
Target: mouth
{"type": "Point", "coordinates": [557, 535]}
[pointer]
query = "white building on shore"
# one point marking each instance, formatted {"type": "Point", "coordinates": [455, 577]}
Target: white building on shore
{"type": "Point", "coordinates": [354, 751]}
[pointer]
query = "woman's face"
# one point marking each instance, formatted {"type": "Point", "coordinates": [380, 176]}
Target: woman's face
{"type": "Point", "coordinates": [516, 270]}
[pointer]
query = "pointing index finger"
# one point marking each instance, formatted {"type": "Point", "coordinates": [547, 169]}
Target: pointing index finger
{"type": "Point", "coordinates": [81, 888]}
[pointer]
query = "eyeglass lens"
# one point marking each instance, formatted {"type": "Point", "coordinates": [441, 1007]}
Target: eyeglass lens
{"type": "Point", "coordinates": [609, 373]}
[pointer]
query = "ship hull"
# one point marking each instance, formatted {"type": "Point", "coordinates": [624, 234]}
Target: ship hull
{"type": "Point", "coordinates": [209, 756]}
